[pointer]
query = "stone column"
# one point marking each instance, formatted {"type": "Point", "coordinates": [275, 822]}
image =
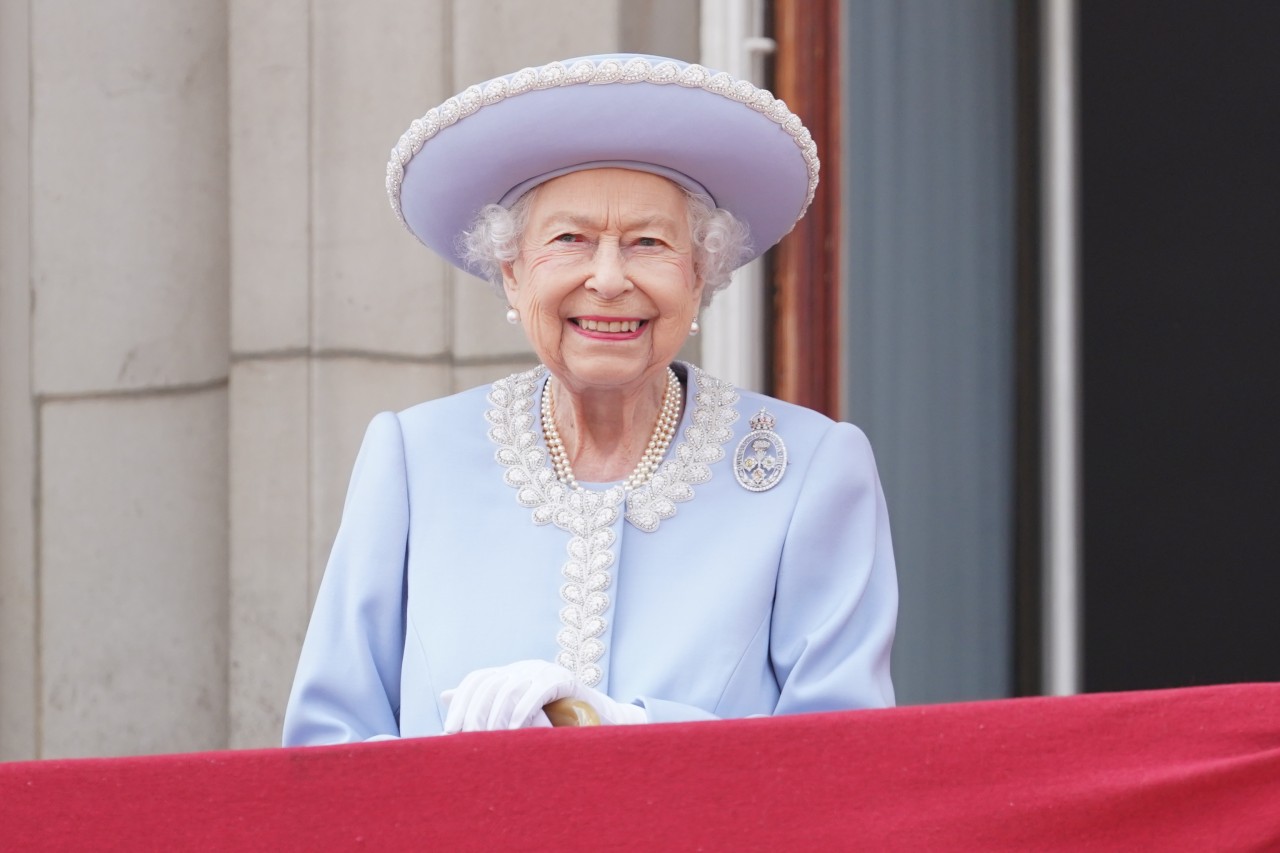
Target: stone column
{"type": "Point", "coordinates": [18, 676]}
{"type": "Point", "coordinates": [126, 280]}
{"type": "Point", "coordinates": [337, 313]}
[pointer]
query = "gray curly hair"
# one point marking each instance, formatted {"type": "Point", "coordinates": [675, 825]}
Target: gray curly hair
{"type": "Point", "coordinates": [720, 241]}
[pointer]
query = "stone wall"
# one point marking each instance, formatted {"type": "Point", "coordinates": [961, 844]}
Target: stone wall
{"type": "Point", "coordinates": [203, 300]}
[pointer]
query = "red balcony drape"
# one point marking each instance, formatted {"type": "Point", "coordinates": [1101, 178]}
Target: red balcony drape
{"type": "Point", "coordinates": [1192, 769]}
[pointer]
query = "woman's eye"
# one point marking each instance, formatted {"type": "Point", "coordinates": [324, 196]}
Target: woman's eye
{"type": "Point", "coordinates": [569, 238]}
{"type": "Point", "coordinates": [648, 241]}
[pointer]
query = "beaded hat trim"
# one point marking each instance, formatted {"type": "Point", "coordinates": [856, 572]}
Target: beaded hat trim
{"type": "Point", "coordinates": [596, 72]}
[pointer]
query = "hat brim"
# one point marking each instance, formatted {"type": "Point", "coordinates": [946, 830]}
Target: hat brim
{"type": "Point", "coordinates": [490, 144]}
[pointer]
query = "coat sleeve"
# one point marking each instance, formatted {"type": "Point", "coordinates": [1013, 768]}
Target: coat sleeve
{"type": "Point", "coordinates": [836, 602]}
{"type": "Point", "coordinates": [347, 687]}
{"type": "Point", "coordinates": [836, 605]}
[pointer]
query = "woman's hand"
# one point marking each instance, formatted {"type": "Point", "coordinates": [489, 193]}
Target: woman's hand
{"type": "Point", "coordinates": [512, 697]}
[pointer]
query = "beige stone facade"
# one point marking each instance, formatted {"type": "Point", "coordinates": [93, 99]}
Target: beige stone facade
{"type": "Point", "coordinates": [203, 300]}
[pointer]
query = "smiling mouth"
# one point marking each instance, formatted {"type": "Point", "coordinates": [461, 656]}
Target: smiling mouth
{"type": "Point", "coordinates": [622, 327]}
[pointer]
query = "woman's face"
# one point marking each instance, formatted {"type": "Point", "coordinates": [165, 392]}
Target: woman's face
{"type": "Point", "coordinates": [605, 281]}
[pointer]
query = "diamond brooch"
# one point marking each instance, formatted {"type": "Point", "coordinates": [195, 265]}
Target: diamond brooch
{"type": "Point", "coordinates": [761, 457]}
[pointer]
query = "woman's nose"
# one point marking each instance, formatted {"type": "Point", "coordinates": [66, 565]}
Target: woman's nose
{"type": "Point", "coordinates": [608, 277]}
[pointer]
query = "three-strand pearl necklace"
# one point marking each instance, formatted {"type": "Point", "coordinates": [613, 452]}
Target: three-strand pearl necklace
{"type": "Point", "coordinates": [663, 431]}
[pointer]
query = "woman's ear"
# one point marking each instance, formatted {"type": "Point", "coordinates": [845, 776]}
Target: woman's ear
{"type": "Point", "coordinates": [699, 286]}
{"type": "Point", "coordinates": [509, 282]}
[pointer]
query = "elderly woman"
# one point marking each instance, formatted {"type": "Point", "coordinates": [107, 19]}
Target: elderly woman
{"type": "Point", "coordinates": [613, 526]}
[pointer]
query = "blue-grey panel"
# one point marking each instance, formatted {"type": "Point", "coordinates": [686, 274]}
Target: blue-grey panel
{"type": "Point", "coordinates": [929, 317]}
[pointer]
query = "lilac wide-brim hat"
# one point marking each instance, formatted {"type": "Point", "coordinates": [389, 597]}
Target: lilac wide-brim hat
{"type": "Point", "coordinates": [706, 131]}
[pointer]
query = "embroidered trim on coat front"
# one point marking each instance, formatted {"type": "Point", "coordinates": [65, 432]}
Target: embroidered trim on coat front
{"type": "Point", "coordinates": [589, 515]}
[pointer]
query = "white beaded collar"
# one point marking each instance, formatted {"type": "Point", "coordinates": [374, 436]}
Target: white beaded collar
{"type": "Point", "coordinates": [513, 421]}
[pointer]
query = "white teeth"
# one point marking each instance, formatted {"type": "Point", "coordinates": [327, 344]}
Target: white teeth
{"type": "Point", "coordinates": [609, 325]}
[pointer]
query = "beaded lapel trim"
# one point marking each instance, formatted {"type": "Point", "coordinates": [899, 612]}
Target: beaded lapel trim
{"type": "Point", "coordinates": [589, 516]}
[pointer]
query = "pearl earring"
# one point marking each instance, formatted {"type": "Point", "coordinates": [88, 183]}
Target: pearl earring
{"type": "Point", "coordinates": [694, 328]}
{"type": "Point", "coordinates": [513, 316]}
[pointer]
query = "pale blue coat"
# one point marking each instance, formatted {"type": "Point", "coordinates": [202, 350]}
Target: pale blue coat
{"type": "Point", "coordinates": [739, 602]}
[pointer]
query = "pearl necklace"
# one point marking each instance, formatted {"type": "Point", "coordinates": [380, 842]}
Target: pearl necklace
{"type": "Point", "coordinates": [663, 431]}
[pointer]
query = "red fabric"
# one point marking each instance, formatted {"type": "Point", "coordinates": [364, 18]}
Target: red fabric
{"type": "Point", "coordinates": [1195, 769]}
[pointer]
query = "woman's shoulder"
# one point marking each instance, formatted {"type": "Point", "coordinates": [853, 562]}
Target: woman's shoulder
{"type": "Point", "coordinates": [789, 416]}
{"type": "Point", "coordinates": [447, 408]}
{"type": "Point", "coordinates": [751, 402]}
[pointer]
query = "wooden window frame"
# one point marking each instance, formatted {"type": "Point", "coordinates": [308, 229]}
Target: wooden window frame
{"type": "Point", "coordinates": [806, 348]}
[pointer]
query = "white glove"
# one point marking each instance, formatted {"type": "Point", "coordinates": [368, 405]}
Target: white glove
{"type": "Point", "coordinates": [512, 696]}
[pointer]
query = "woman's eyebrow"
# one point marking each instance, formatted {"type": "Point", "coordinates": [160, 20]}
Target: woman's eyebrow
{"type": "Point", "coordinates": [657, 220]}
{"type": "Point", "coordinates": [568, 219]}
{"type": "Point", "coordinates": [581, 222]}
